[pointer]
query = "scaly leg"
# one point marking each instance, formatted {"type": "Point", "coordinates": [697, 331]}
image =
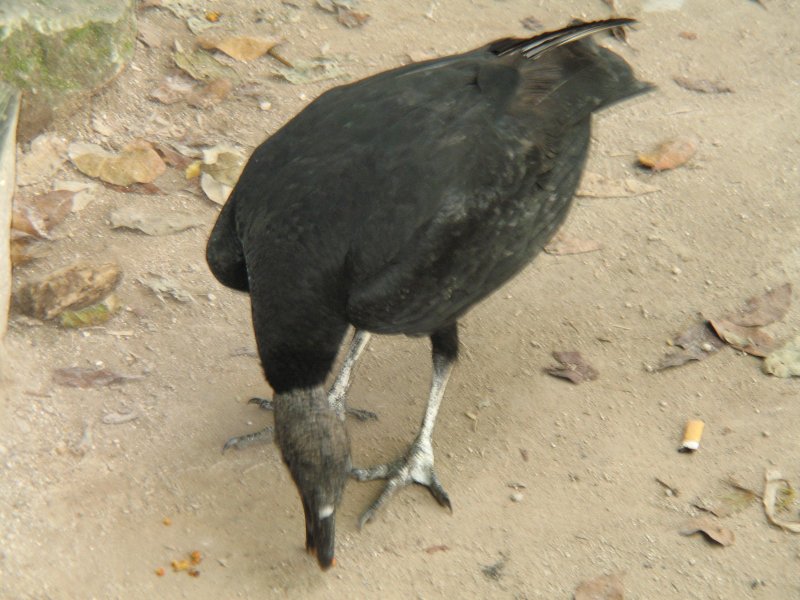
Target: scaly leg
{"type": "Point", "coordinates": [416, 466]}
{"type": "Point", "coordinates": [336, 396]}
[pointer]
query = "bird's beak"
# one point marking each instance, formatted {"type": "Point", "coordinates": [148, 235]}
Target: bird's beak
{"type": "Point", "coordinates": [321, 536]}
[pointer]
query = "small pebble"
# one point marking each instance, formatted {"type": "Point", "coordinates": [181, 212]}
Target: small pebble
{"type": "Point", "coordinates": [516, 497]}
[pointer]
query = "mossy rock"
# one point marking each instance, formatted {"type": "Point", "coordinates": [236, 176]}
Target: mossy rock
{"type": "Point", "coordinates": [57, 52]}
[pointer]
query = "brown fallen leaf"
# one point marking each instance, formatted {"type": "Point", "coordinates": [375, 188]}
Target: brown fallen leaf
{"type": "Point", "coordinates": [138, 162]}
{"type": "Point", "coordinates": [694, 343]}
{"type": "Point", "coordinates": [38, 215]}
{"type": "Point", "coordinates": [71, 288]}
{"type": "Point", "coordinates": [563, 244]}
{"type": "Point", "coordinates": [83, 377]}
{"type": "Point", "coordinates": [669, 155]}
{"type": "Point", "coordinates": [595, 185]}
{"type": "Point", "coordinates": [171, 157]}
{"type": "Point", "coordinates": [765, 309]}
{"type": "Point", "coordinates": [776, 486]}
{"type": "Point", "coordinates": [747, 339]}
{"type": "Point", "coordinates": [573, 367]}
{"type": "Point", "coordinates": [605, 587]}
{"type": "Point", "coordinates": [201, 65]}
{"type": "Point", "coordinates": [23, 251]}
{"type": "Point", "coordinates": [703, 86]}
{"type": "Point", "coordinates": [708, 527]}
{"type": "Point", "coordinates": [688, 35]}
{"type": "Point", "coordinates": [240, 47]}
{"type": "Point", "coordinates": [213, 92]}
{"type": "Point", "coordinates": [154, 222]}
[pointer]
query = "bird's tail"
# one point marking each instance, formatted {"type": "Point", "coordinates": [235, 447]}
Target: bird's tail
{"type": "Point", "coordinates": [224, 252]}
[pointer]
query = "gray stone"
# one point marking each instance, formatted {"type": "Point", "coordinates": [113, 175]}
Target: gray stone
{"type": "Point", "coordinates": [9, 104]}
{"type": "Point", "coordinates": [58, 51]}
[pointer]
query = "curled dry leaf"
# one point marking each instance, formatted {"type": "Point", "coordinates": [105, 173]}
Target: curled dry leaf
{"type": "Point", "coordinates": [81, 377]}
{"type": "Point", "coordinates": [605, 587]}
{"type": "Point", "coordinates": [747, 339]}
{"type": "Point", "coordinates": [595, 185]}
{"type": "Point", "coordinates": [84, 192]}
{"type": "Point", "coordinates": [36, 216]}
{"type": "Point", "coordinates": [243, 48]}
{"type": "Point", "coordinates": [71, 288]}
{"type": "Point", "coordinates": [563, 244]}
{"type": "Point", "coordinates": [704, 86]}
{"type": "Point", "coordinates": [138, 162]}
{"type": "Point", "coordinates": [154, 222]}
{"type": "Point", "coordinates": [765, 309]}
{"type": "Point", "coordinates": [711, 529]}
{"type": "Point", "coordinates": [47, 154]}
{"type": "Point", "coordinates": [774, 485]}
{"type": "Point", "coordinates": [784, 362]}
{"type": "Point", "coordinates": [572, 367]}
{"type": "Point", "coordinates": [669, 155]}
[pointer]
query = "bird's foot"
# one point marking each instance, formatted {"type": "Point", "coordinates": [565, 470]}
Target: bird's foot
{"type": "Point", "coordinates": [357, 413]}
{"type": "Point", "coordinates": [240, 441]}
{"type": "Point", "coordinates": [415, 467]}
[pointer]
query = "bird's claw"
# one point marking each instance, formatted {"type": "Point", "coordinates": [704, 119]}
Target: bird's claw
{"type": "Point", "coordinates": [416, 467]}
{"type": "Point", "coordinates": [240, 441]}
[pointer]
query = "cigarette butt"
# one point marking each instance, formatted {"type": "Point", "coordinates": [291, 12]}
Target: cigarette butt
{"type": "Point", "coordinates": [692, 435]}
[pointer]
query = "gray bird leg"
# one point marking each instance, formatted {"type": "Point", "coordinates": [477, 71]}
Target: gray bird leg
{"type": "Point", "coordinates": [416, 466]}
{"type": "Point", "coordinates": [336, 396]}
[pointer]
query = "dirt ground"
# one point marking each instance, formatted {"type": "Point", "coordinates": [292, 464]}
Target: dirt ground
{"type": "Point", "coordinates": [82, 501]}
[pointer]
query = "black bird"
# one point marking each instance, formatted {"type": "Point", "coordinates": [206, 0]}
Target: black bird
{"type": "Point", "coordinates": [393, 205]}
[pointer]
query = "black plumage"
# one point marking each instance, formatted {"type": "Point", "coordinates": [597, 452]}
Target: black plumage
{"type": "Point", "coordinates": [394, 204]}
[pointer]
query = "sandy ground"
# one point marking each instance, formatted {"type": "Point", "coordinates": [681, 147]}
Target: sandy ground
{"type": "Point", "coordinates": [84, 520]}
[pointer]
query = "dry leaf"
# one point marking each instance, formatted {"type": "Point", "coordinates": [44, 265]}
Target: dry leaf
{"type": "Point", "coordinates": [47, 154]}
{"type": "Point", "coordinates": [784, 362]}
{"type": "Point", "coordinates": [216, 191]}
{"type": "Point", "coordinates": [38, 215]}
{"type": "Point", "coordinates": [172, 90]}
{"type": "Point", "coordinates": [437, 548]}
{"type": "Point", "coordinates": [599, 186]}
{"type": "Point", "coordinates": [212, 93]}
{"type": "Point", "coordinates": [669, 155]}
{"type": "Point", "coordinates": [84, 192]}
{"type": "Point", "coordinates": [23, 251]}
{"type": "Point", "coordinates": [162, 285]}
{"type": "Point", "coordinates": [154, 222]}
{"type": "Point", "coordinates": [774, 483]}
{"type": "Point", "coordinates": [688, 35]}
{"type": "Point", "coordinates": [704, 86]}
{"type": "Point", "coordinates": [202, 66]}
{"type": "Point", "coordinates": [563, 244]}
{"type": "Point", "coordinates": [81, 377]}
{"type": "Point", "coordinates": [605, 587]}
{"type": "Point", "coordinates": [318, 69]}
{"type": "Point", "coordinates": [708, 527]}
{"type": "Point", "coordinates": [138, 162]}
{"type": "Point", "coordinates": [172, 157]}
{"type": "Point", "coordinates": [243, 48]}
{"type": "Point", "coordinates": [573, 367]}
{"type": "Point", "coordinates": [97, 314]}
{"type": "Point", "coordinates": [747, 339]}
{"type": "Point", "coordinates": [695, 343]}
{"type": "Point", "coordinates": [71, 288]}
{"type": "Point", "coordinates": [765, 309]}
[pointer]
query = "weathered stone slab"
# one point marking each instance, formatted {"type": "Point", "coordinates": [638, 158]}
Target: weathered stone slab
{"type": "Point", "coordinates": [58, 51]}
{"type": "Point", "coordinates": [9, 103]}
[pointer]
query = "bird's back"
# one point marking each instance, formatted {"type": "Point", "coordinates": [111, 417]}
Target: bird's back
{"type": "Point", "coordinates": [402, 199]}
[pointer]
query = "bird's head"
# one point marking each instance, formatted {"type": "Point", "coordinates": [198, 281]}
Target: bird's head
{"type": "Point", "coordinates": [315, 446]}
